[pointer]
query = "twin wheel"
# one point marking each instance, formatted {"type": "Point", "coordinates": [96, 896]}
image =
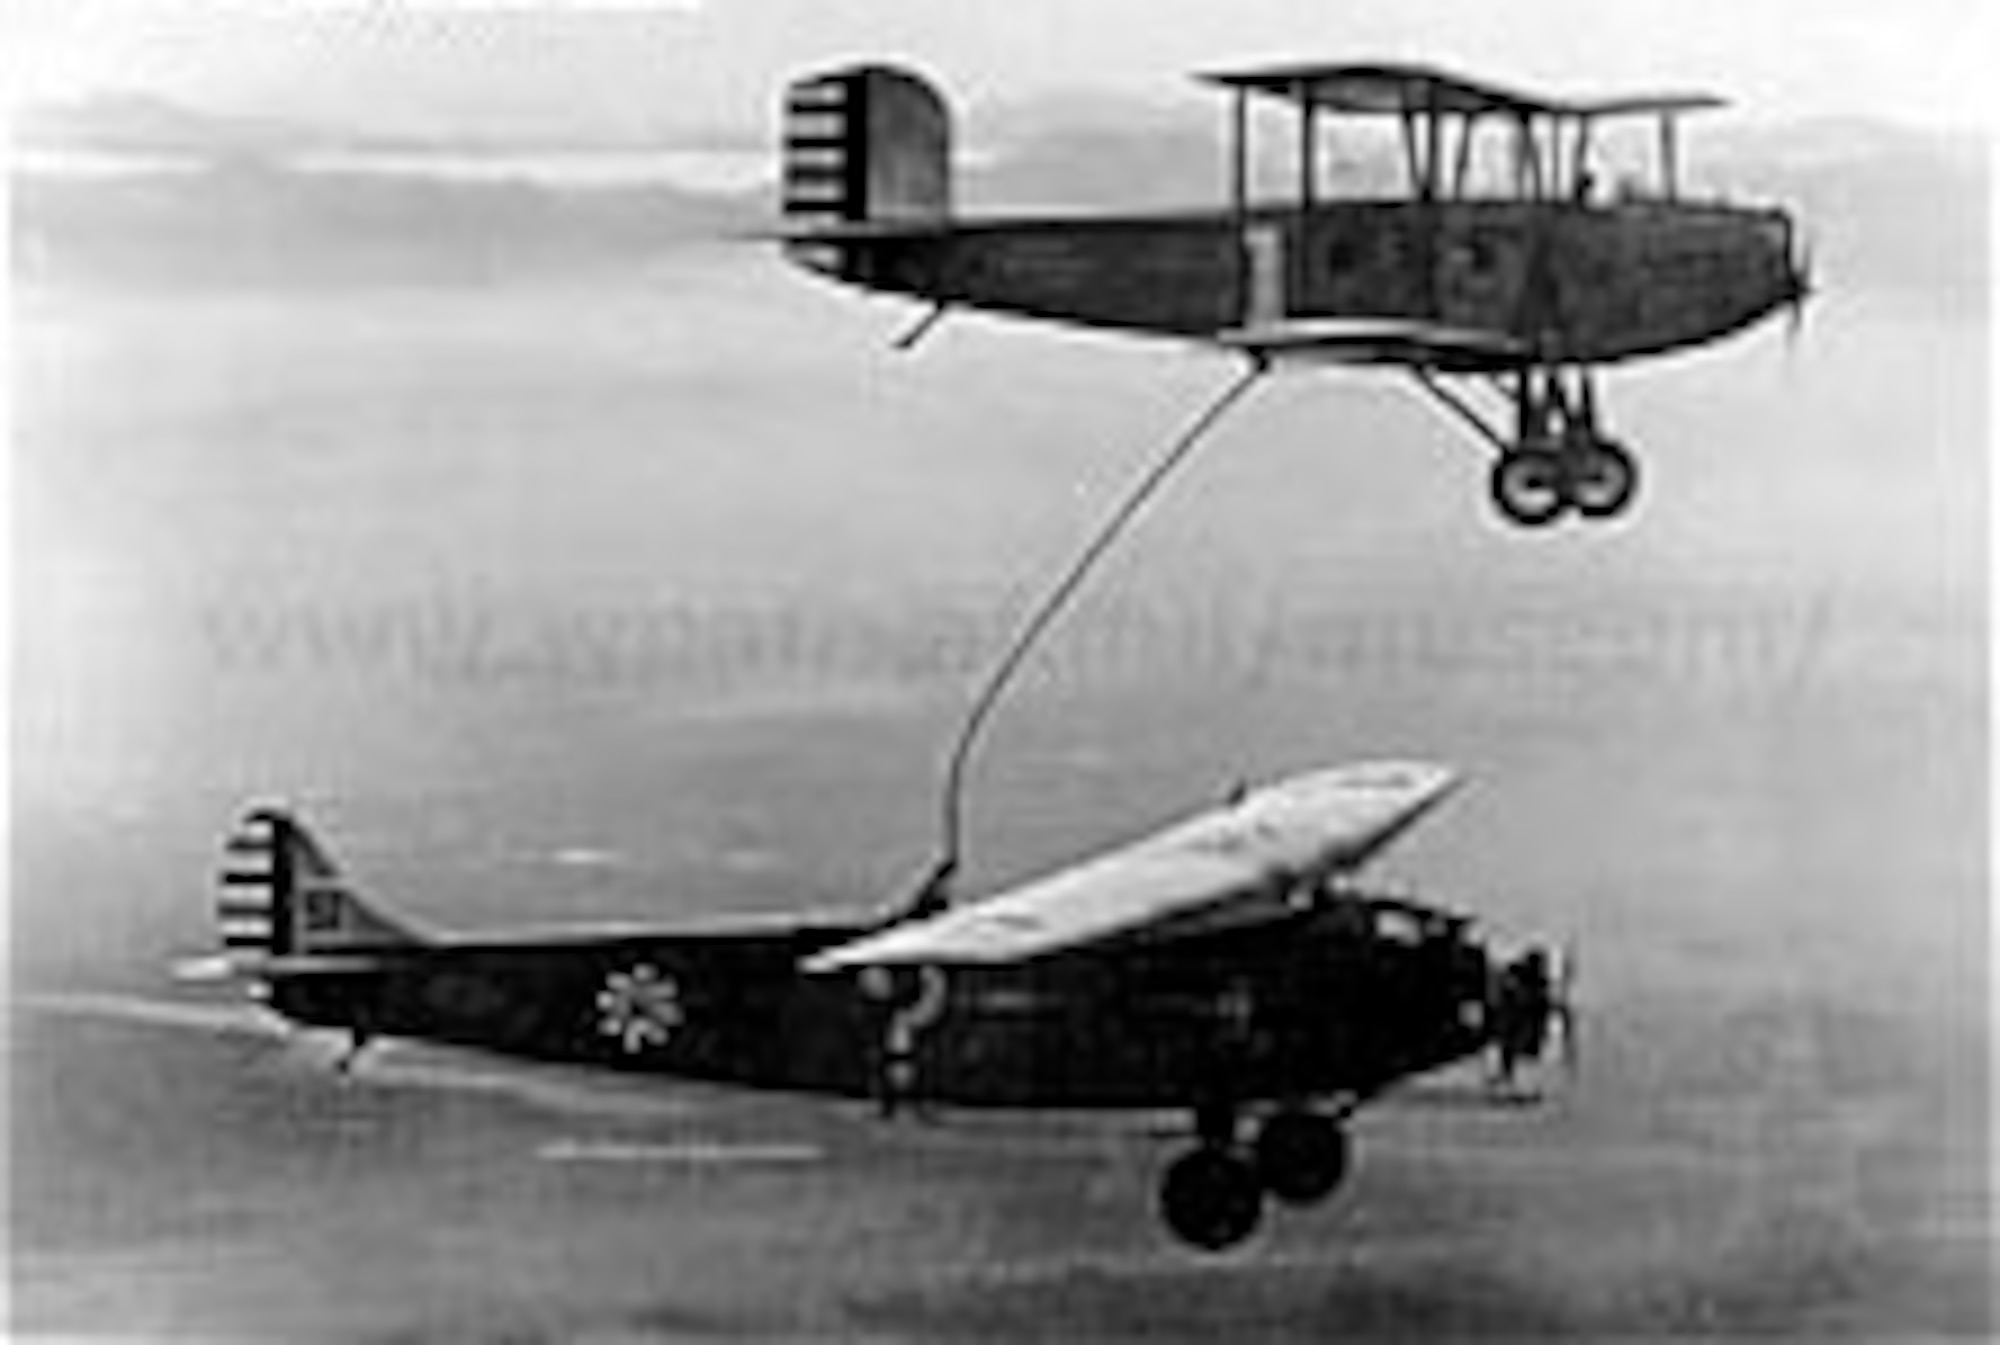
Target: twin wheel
{"type": "Point", "coordinates": [1534, 486]}
{"type": "Point", "coordinates": [1212, 1197]}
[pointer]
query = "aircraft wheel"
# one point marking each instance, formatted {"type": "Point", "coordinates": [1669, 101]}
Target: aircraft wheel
{"type": "Point", "coordinates": [1602, 478]}
{"type": "Point", "coordinates": [1530, 486]}
{"type": "Point", "coordinates": [1301, 1157]}
{"type": "Point", "coordinates": [1211, 1198]}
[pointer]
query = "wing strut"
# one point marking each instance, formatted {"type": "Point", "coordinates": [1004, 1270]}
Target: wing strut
{"type": "Point", "coordinates": [932, 892]}
{"type": "Point", "coordinates": [1456, 404]}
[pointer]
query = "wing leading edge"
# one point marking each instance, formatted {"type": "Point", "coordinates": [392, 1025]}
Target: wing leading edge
{"type": "Point", "coordinates": [1297, 830]}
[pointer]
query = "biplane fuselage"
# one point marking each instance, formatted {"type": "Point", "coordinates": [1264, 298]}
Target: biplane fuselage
{"type": "Point", "coordinates": [1577, 283]}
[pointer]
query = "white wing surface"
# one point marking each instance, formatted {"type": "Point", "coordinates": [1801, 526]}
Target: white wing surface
{"type": "Point", "coordinates": [1298, 830]}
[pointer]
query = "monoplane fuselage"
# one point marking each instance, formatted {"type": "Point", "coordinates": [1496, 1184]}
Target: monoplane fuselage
{"type": "Point", "coordinates": [1340, 999]}
{"type": "Point", "coordinates": [1222, 966]}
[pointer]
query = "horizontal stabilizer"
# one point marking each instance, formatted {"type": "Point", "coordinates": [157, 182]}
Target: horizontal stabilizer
{"type": "Point", "coordinates": [251, 966]}
{"type": "Point", "coordinates": [207, 970]}
{"type": "Point", "coordinates": [234, 1018]}
{"type": "Point", "coordinates": [857, 231]}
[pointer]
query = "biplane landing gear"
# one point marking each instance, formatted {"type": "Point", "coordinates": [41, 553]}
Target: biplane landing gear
{"type": "Point", "coordinates": [1557, 459]}
{"type": "Point", "coordinates": [1530, 486]}
{"type": "Point", "coordinates": [1536, 486]}
{"type": "Point", "coordinates": [1602, 477]}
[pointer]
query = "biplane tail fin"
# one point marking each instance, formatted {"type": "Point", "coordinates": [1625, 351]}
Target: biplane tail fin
{"type": "Point", "coordinates": [864, 145]}
{"type": "Point", "coordinates": [281, 897]}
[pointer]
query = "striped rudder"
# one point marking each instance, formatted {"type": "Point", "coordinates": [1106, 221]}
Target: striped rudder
{"type": "Point", "coordinates": [865, 144]}
{"type": "Point", "coordinates": [281, 896]}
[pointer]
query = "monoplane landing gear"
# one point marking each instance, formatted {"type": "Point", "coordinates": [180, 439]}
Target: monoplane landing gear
{"type": "Point", "coordinates": [1301, 1156]}
{"type": "Point", "coordinates": [1212, 1197]}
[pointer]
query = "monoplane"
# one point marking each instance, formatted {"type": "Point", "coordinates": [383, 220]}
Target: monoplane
{"type": "Point", "coordinates": [1506, 267]}
{"type": "Point", "coordinates": [1231, 969]}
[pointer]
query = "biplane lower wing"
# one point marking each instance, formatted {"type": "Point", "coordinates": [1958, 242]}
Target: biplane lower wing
{"type": "Point", "coordinates": [1377, 341]}
{"type": "Point", "coordinates": [1270, 841]}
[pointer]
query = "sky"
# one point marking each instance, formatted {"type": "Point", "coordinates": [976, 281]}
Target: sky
{"type": "Point", "coordinates": [622, 67]}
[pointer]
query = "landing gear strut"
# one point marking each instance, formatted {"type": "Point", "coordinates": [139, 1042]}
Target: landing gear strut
{"type": "Point", "coordinates": [1557, 459]}
{"type": "Point", "coordinates": [1212, 1196]}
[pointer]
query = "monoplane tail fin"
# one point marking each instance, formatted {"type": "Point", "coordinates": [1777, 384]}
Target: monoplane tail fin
{"type": "Point", "coordinates": [281, 896]}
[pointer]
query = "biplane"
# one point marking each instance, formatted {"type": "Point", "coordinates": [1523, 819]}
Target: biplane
{"type": "Point", "coordinates": [1504, 271]}
{"type": "Point", "coordinates": [1229, 968]}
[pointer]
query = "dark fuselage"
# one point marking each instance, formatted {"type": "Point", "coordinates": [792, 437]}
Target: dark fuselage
{"type": "Point", "coordinates": [1571, 282]}
{"type": "Point", "coordinates": [1345, 998]}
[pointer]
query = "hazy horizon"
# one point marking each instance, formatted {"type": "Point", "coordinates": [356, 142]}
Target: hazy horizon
{"type": "Point", "coordinates": [613, 70]}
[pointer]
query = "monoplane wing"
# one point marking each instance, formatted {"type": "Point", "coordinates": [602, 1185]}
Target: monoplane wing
{"type": "Point", "coordinates": [1271, 840]}
{"type": "Point", "coordinates": [1377, 341]}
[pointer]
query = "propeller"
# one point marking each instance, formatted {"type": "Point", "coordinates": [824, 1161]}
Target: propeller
{"type": "Point", "coordinates": [1532, 1001]}
{"type": "Point", "coordinates": [1562, 1009]}
{"type": "Point", "coordinates": [1799, 284]}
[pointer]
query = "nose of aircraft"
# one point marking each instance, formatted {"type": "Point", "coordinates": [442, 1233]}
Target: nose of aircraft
{"type": "Point", "coordinates": [1790, 260]}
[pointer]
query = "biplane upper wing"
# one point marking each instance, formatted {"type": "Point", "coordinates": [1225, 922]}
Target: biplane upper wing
{"type": "Point", "coordinates": [1394, 88]}
{"type": "Point", "coordinates": [1399, 89]}
{"type": "Point", "coordinates": [1270, 840]}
